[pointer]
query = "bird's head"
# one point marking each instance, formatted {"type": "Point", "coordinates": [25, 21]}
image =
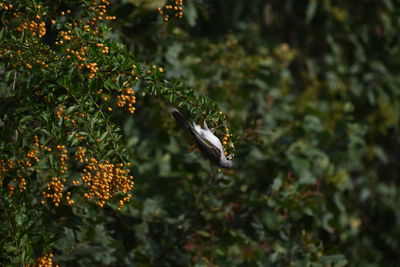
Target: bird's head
{"type": "Point", "coordinates": [226, 162]}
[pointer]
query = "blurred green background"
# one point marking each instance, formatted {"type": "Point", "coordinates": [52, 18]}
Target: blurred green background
{"type": "Point", "coordinates": [311, 89]}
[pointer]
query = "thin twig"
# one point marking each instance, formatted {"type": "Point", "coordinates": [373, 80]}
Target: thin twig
{"type": "Point", "coordinates": [107, 125]}
{"type": "Point", "coordinates": [15, 80]}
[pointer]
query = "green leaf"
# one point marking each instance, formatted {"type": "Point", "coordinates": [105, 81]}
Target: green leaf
{"type": "Point", "coordinates": [203, 233]}
{"type": "Point", "coordinates": [311, 9]}
{"type": "Point", "coordinates": [276, 185]}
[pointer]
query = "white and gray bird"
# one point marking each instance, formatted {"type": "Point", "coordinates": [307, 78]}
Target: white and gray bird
{"type": "Point", "coordinates": [209, 145]}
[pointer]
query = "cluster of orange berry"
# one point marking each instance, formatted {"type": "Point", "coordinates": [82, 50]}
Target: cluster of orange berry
{"type": "Point", "coordinates": [79, 137]}
{"type": "Point", "coordinates": [65, 12]}
{"type": "Point", "coordinates": [67, 35]}
{"type": "Point", "coordinates": [101, 9]}
{"type": "Point", "coordinates": [3, 52]}
{"type": "Point", "coordinates": [99, 6]}
{"type": "Point", "coordinates": [80, 155]}
{"type": "Point", "coordinates": [226, 137]}
{"type": "Point", "coordinates": [175, 10]}
{"type": "Point", "coordinates": [63, 158]}
{"type": "Point", "coordinates": [21, 181]}
{"type": "Point", "coordinates": [5, 6]}
{"type": "Point", "coordinates": [122, 202]}
{"type": "Point", "coordinates": [111, 17]}
{"type": "Point", "coordinates": [92, 67]}
{"type": "Point", "coordinates": [42, 63]}
{"type": "Point", "coordinates": [21, 55]}
{"type": "Point", "coordinates": [225, 140]}
{"type": "Point", "coordinates": [68, 199]}
{"type": "Point", "coordinates": [44, 261]}
{"type": "Point", "coordinates": [150, 70]}
{"type": "Point", "coordinates": [60, 115]}
{"type": "Point", "coordinates": [16, 14]}
{"type": "Point", "coordinates": [6, 166]}
{"type": "Point", "coordinates": [55, 190]}
{"type": "Point", "coordinates": [38, 145]}
{"type": "Point", "coordinates": [80, 56]}
{"type": "Point", "coordinates": [59, 112]}
{"type": "Point", "coordinates": [127, 98]}
{"type": "Point", "coordinates": [105, 97]}
{"type": "Point", "coordinates": [56, 186]}
{"type": "Point", "coordinates": [32, 155]}
{"type": "Point", "coordinates": [105, 180]}
{"type": "Point", "coordinates": [20, 166]}
{"type": "Point", "coordinates": [35, 28]}
{"type": "Point", "coordinates": [104, 49]}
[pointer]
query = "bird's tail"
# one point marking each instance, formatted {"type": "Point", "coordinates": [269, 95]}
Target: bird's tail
{"type": "Point", "coordinates": [179, 117]}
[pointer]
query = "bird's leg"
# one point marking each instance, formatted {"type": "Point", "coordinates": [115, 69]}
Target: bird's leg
{"type": "Point", "coordinates": [205, 125]}
{"type": "Point", "coordinates": [231, 156]}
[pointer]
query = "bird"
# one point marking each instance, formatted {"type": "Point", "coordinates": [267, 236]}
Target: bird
{"type": "Point", "coordinates": [210, 146]}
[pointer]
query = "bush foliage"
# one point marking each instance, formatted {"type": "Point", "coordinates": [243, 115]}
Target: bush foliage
{"type": "Point", "coordinates": [94, 171]}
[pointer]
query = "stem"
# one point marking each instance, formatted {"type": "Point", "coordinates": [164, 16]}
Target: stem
{"type": "Point", "coordinates": [15, 80]}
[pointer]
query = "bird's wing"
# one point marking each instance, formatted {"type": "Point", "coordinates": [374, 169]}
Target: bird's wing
{"type": "Point", "coordinates": [179, 117]}
{"type": "Point", "coordinates": [208, 149]}
{"type": "Point", "coordinates": [209, 136]}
